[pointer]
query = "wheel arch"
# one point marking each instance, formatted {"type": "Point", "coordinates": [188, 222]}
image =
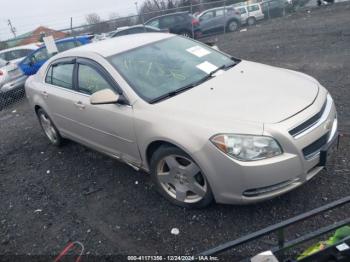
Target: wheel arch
{"type": "Point", "coordinates": [156, 144]}
{"type": "Point", "coordinates": [233, 19]}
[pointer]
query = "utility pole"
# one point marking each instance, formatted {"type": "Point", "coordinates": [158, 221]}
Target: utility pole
{"type": "Point", "coordinates": [12, 28]}
{"type": "Point", "coordinates": [137, 7]}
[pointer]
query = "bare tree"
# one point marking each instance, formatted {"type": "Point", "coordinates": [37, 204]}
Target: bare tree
{"type": "Point", "coordinates": [93, 18]}
{"type": "Point", "coordinates": [113, 15]}
{"type": "Point", "coordinates": [97, 25]}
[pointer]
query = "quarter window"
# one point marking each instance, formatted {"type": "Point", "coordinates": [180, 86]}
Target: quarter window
{"type": "Point", "coordinates": [253, 8]}
{"type": "Point", "coordinates": [61, 75]}
{"type": "Point", "coordinates": [91, 81]}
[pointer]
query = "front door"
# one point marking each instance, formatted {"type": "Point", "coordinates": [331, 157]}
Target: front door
{"type": "Point", "coordinates": [108, 127]}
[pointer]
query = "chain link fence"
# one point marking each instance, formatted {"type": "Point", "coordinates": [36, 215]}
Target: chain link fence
{"type": "Point", "coordinates": [208, 18]}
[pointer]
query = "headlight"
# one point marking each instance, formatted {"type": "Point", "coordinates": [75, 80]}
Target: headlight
{"type": "Point", "coordinates": [247, 147]}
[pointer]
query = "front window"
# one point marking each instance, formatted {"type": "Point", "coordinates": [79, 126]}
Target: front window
{"type": "Point", "coordinates": [166, 66]}
{"type": "Point", "coordinates": [154, 23]}
{"type": "Point", "coordinates": [207, 16]}
{"type": "Point", "coordinates": [90, 81]}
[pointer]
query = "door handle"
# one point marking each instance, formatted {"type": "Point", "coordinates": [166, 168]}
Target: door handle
{"type": "Point", "coordinates": [45, 94]}
{"type": "Point", "coordinates": [79, 105]}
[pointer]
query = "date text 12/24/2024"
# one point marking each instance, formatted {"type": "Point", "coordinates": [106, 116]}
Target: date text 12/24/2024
{"type": "Point", "coordinates": [172, 258]}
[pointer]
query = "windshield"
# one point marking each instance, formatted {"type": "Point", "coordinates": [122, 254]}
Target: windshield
{"type": "Point", "coordinates": [166, 66]}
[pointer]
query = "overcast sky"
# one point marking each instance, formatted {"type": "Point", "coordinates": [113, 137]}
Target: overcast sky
{"type": "Point", "coordinates": [27, 15]}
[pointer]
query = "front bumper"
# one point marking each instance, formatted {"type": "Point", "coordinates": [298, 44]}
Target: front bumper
{"type": "Point", "coordinates": [237, 182]}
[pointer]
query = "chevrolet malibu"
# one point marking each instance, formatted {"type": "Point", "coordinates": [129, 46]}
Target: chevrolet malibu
{"type": "Point", "coordinates": [205, 125]}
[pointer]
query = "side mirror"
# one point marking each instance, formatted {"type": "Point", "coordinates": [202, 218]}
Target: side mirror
{"type": "Point", "coordinates": [105, 96]}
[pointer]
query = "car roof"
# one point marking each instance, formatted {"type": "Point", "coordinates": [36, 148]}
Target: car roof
{"type": "Point", "coordinates": [120, 44]}
{"type": "Point", "coordinates": [216, 8]}
{"type": "Point", "coordinates": [68, 39]}
{"type": "Point", "coordinates": [29, 46]}
{"type": "Point", "coordinates": [160, 16]}
{"type": "Point", "coordinates": [122, 28]}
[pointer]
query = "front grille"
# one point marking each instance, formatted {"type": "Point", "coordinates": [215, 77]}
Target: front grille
{"type": "Point", "coordinates": [314, 148]}
{"type": "Point", "coordinates": [308, 123]}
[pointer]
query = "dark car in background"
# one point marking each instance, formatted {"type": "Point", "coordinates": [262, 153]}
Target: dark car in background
{"type": "Point", "coordinates": [32, 63]}
{"type": "Point", "coordinates": [136, 29]}
{"type": "Point", "coordinates": [181, 23]}
{"type": "Point", "coordinates": [274, 8]}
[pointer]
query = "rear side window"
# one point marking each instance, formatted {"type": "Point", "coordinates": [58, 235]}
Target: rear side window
{"type": "Point", "coordinates": [253, 8]}
{"type": "Point", "coordinates": [15, 54]}
{"type": "Point", "coordinates": [91, 81]}
{"type": "Point", "coordinates": [219, 12]}
{"type": "Point", "coordinates": [61, 75]}
{"type": "Point", "coordinates": [167, 21]}
{"type": "Point", "coordinates": [67, 45]}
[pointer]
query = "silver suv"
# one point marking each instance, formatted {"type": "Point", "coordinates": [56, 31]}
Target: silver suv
{"type": "Point", "coordinates": [219, 19]}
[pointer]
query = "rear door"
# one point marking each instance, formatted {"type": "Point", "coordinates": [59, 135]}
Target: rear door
{"type": "Point", "coordinates": [60, 95]}
{"type": "Point", "coordinates": [170, 23]}
{"type": "Point", "coordinates": [244, 14]}
{"type": "Point", "coordinates": [220, 19]}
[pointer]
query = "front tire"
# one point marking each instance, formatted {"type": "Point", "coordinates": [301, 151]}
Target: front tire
{"type": "Point", "coordinates": [232, 26]}
{"type": "Point", "coordinates": [179, 179]}
{"type": "Point", "coordinates": [251, 21]}
{"type": "Point", "coordinates": [49, 128]}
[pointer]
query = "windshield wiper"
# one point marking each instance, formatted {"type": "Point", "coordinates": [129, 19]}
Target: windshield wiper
{"type": "Point", "coordinates": [173, 93]}
{"type": "Point", "coordinates": [200, 81]}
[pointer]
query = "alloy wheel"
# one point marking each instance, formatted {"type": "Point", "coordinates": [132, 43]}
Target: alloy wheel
{"type": "Point", "coordinates": [181, 179]}
{"type": "Point", "coordinates": [233, 26]}
{"type": "Point", "coordinates": [48, 127]}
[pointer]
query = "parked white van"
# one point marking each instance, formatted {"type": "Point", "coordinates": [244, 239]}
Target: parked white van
{"type": "Point", "coordinates": [250, 14]}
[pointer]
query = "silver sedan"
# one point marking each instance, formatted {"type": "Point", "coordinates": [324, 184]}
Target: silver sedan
{"type": "Point", "coordinates": [12, 81]}
{"type": "Point", "coordinates": [205, 125]}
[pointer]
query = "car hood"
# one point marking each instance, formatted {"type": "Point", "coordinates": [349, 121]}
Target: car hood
{"type": "Point", "coordinates": [250, 92]}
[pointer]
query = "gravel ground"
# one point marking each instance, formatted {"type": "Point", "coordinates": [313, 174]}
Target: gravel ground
{"type": "Point", "coordinates": [50, 196]}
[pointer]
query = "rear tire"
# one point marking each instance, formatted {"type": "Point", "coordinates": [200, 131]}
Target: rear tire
{"type": "Point", "coordinates": [179, 179]}
{"type": "Point", "coordinates": [49, 128]}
